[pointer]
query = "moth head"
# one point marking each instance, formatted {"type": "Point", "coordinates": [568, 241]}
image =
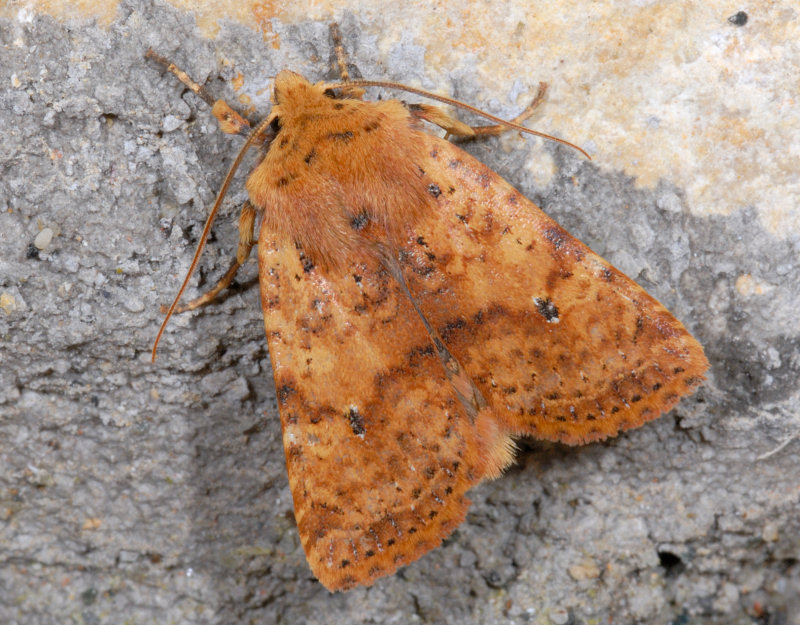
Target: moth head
{"type": "Point", "coordinates": [291, 89]}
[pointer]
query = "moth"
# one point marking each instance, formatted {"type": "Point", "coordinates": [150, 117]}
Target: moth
{"type": "Point", "coordinates": [421, 315]}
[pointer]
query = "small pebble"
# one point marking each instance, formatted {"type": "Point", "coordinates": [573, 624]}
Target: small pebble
{"type": "Point", "coordinates": [43, 239]}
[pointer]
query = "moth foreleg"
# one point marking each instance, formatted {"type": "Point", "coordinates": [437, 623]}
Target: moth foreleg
{"type": "Point", "coordinates": [339, 51]}
{"type": "Point", "coordinates": [229, 120]}
{"type": "Point", "coordinates": [457, 128]}
{"type": "Point", "coordinates": [496, 129]}
{"type": "Point", "coordinates": [247, 220]}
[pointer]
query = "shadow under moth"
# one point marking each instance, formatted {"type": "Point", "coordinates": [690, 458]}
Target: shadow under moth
{"type": "Point", "coordinates": [421, 314]}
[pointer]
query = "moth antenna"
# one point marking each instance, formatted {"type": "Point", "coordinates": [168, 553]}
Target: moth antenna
{"type": "Point", "coordinates": [458, 103]}
{"type": "Point", "coordinates": [251, 138]}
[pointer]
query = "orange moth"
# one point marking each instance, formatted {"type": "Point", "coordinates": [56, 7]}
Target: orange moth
{"type": "Point", "coordinates": [421, 314]}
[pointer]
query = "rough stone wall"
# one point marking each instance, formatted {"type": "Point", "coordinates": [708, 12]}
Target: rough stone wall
{"type": "Point", "coordinates": [141, 493]}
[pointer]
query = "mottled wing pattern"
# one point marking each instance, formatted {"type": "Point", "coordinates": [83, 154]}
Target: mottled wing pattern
{"type": "Point", "coordinates": [379, 451]}
{"type": "Point", "coordinates": [564, 346]}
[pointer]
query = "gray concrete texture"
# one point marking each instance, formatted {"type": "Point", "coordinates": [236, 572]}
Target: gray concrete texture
{"type": "Point", "coordinates": [133, 492]}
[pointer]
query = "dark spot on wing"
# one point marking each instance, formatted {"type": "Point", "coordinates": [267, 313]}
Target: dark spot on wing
{"type": "Point", "coordinates": [343, 137]}
{"type": "Point", "coordinates": [360, 221]}
{"type": "Point", "coordinates": [547, 309]}
{"type": "Point", "coordinates": [356, 421]}
{"type": "Point", "coordinates": [285, 392]}
{"type": "Point", "coordinates": [556, 235]}
{"type": "Point", "coordinates": [452, 327]}
{"type": "Point", "coordinates": [308, 264]}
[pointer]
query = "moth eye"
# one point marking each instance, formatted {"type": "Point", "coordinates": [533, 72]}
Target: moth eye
{"type": "Point", "coordinates": [275, 124]}
{"type": "Point", "coordinates": [331, 93]}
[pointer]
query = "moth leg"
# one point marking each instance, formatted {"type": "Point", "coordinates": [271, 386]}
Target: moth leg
{"type": "Point", "coordinates": [496, 129]}
{"type": "Point", "coordinates": [438, 117]}
{"type": "Point", "coordinates": [339, 51]}
{"type": "Point", "coordinates": [341, 66]}
{"type": "Point", "coordinates": [229, 120]}
{"type": "Point", "coordinates": [454, 127]}
{"type": "Point", "coordinates": [247, 222]}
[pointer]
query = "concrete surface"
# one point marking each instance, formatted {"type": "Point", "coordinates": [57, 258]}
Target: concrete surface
{"type": "Point", "coordinates": [140, 493]}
